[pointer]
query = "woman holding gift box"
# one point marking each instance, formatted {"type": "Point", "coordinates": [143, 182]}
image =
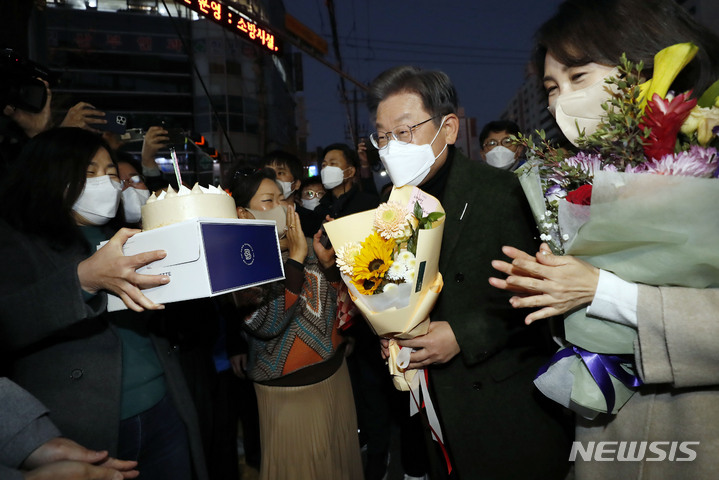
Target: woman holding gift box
{"type": "Point", "coordinates": [308, 425]}
{"type": "Point", "coordinates": [675, 348]}
{"type": "Point", "coordinates": [104, 377]}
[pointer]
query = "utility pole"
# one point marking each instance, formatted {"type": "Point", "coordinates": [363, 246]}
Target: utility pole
{"type": "Point", "coordinates": [343, 86]}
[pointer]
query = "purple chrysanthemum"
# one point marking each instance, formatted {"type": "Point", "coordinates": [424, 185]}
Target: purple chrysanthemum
{"type": "Point", "coordinates": [696, 162]}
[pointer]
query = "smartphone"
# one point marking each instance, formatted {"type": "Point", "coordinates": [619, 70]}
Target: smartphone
{"type": "Point", "coordinates": [177, 137]}
{"type": "Point", "coordinates": [325, 240]}
{"type": "Point", "coordinates": [116, 123]}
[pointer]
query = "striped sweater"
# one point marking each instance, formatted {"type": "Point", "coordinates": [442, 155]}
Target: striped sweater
{"type": "Point", "coordinates": [292, 332]}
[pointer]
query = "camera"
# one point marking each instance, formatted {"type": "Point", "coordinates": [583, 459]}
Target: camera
{"type": "Point", "coordinates": [21, 82]}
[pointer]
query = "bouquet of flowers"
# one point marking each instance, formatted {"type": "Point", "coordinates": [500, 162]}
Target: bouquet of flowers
{"type": "Point", "coordinates": [388, 258]}
{"type": "Point", "coordinates": [638, 199]}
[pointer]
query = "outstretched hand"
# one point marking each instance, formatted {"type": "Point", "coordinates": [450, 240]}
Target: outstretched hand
{"type": "Point", "coordinates": [62, 458]}
{"type": "Point", "coordinates": [554, 284]}
{"type": "Point", "coordinates": [74, 470]}
{"type": "Point", "coordinates": [109, 269]}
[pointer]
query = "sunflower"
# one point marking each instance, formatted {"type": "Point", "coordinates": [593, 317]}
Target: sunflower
{"type": "Point", "coordinates": [374, 259]}
{"type": "Point", "coordinates": [367, 286]}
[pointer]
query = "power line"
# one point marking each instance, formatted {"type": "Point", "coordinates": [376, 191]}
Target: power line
{"type": "Point", "coordinates": [524, 57]}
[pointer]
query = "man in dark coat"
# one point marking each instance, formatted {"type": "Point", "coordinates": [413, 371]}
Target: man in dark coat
{"type": "Point", "coordinates": [480, 355]}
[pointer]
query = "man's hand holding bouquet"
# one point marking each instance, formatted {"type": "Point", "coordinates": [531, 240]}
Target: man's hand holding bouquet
{"type": "Point", "coordinates": [638, 199]}
{"type": "Point", "coordinates": [388, 258]}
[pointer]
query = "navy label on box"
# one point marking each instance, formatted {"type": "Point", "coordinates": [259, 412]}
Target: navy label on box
{"type": "Point", "coordinates": [241, 255]}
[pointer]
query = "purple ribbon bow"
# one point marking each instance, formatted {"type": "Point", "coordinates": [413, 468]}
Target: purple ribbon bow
{"type": "Point", "coordinates": [600, 366]}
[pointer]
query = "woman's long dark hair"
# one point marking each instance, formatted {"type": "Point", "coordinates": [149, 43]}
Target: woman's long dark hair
{"type": "Point", "coordinates": [599, 31]}
{"type": "Point", "coordinates": [45, 182]}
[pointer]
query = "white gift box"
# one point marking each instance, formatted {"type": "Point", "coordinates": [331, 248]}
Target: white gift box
{"type": "Point", "coordinates": [207, 257]}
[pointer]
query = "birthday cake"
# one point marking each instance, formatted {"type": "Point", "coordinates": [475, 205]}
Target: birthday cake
{"type": "Point", "coordinates": [172, 207]}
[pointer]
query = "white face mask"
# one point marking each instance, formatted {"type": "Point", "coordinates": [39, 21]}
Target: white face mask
{"type": "Point", "coordinates": [278, 214]}
{"type": "Point", "coordinates": [286, 188]}
{"type": "Point", "coordinates": [132, 201]}
{"type": "Point", "coordinates": [332, 177]}
{"type": "Point", "coordinates": [501, 157]}
{"type": "Point", "coordinates": [582, 109]}
{"type": "Point", "coordinates": [99, 200]}
{"type": "Point", "coordinates": [310, 203]}
{"type": "Point", "coordinates": [409, 164]}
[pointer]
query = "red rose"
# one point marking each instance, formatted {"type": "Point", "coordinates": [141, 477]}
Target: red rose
{"type": "Point", "coordinates": [580, 196]}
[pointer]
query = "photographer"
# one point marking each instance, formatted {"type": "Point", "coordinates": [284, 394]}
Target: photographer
{"type": "Point", "coordinates": [25, 99]}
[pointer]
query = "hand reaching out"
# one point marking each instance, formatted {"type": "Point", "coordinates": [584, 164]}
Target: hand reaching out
{"type": "Point", "coordinates": [73, 470]}
{"type": "Point", "coordinates": [155, 140]}
{"type": "Point", "coordinates": [109, 269]}
{"type": "Point", "coordinates": [61, 458]}
{"type": "Point", "coordinates": [555, 284]}
{"type": "Point", "coordinates": [84, 115]}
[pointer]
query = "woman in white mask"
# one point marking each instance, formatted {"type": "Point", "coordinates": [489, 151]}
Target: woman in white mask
{"type": "Point", "coordinates": [498, 150]}
{"type": "Point", "coordinates": [676, 328]}
{"type": "Point", "coordinates": [344, 195]}
{"type": "Point", "coordinates": [296, 356]}
{"type": "Point", "coordinates": [134, 191]}
{"type": "Point", "coordinates": [59, 341]}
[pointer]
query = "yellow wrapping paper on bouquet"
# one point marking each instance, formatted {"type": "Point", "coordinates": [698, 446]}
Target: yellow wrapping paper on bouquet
{"type": "Point", "coordinates": [412, 317]}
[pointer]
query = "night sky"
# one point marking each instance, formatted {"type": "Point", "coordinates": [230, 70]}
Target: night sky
{"type": "Point", "coordinates": [484, 47]}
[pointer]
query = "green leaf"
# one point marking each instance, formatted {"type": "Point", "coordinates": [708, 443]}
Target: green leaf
{"type": "Point", "coordinates": [709, 96]}
{"type": "Point", "coordinates": [417, 211]}
{"type": "Point", "coordinates": [433, 217]}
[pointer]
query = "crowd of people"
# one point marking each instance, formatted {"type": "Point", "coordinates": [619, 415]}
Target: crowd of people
{"type": "Point", "coordinates": [158, 391]}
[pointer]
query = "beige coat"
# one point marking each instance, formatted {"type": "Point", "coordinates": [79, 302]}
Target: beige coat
{"type": "Point", "coordinates": [677, 353]}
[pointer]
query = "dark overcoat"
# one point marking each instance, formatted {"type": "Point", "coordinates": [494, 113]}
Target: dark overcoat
{"type": "Point", "coordinates": [496, 424]}
{"type": "Point", "coordinates": [64, 351]}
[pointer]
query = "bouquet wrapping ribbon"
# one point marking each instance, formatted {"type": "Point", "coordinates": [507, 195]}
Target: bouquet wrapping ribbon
{"type": "Point", "coordinates": [403, 314]}
{"type": "Point", "coordinates": [407, 315]}
{"type": "Point", "coordinates": [652, 229]}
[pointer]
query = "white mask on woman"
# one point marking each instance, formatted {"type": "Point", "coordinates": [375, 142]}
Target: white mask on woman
{"type": "Point", "coordinates": [99, 200]}
{"type": "Point", "coordinates": [501, 157]}
{"type": "Point", "coordinates": [132, 201]}
{"type": "Point", "coordinates": [310, 203]}
{"type": "Point", "coordinates": [278, 214]}
{"type": "Point", "coordinates": [582, 110]}
{"type": "Point", "coordinates": [409, 164]}
{"type": "Point", "coordinates": [332, 177]}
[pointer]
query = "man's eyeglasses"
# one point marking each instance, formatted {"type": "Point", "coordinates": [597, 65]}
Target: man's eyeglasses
{"type": "Point", "coordinates": [505, 142]}
{"type": "Point", "coordinates": [402, 134]}
{"type": "Point", "coordinates": [132, 181]}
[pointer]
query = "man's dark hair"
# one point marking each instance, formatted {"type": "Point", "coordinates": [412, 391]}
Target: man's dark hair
{"type": "Point", "coordinates": [436, 90]}
{"type": "Point", "coordinates": [348, 152]}
{"type": "Point", "coordinates": [284, 159]}
{"type": "Point", "coordinates": [306, 182]}
{"type": "Point", "coordinates": [498, 126]}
